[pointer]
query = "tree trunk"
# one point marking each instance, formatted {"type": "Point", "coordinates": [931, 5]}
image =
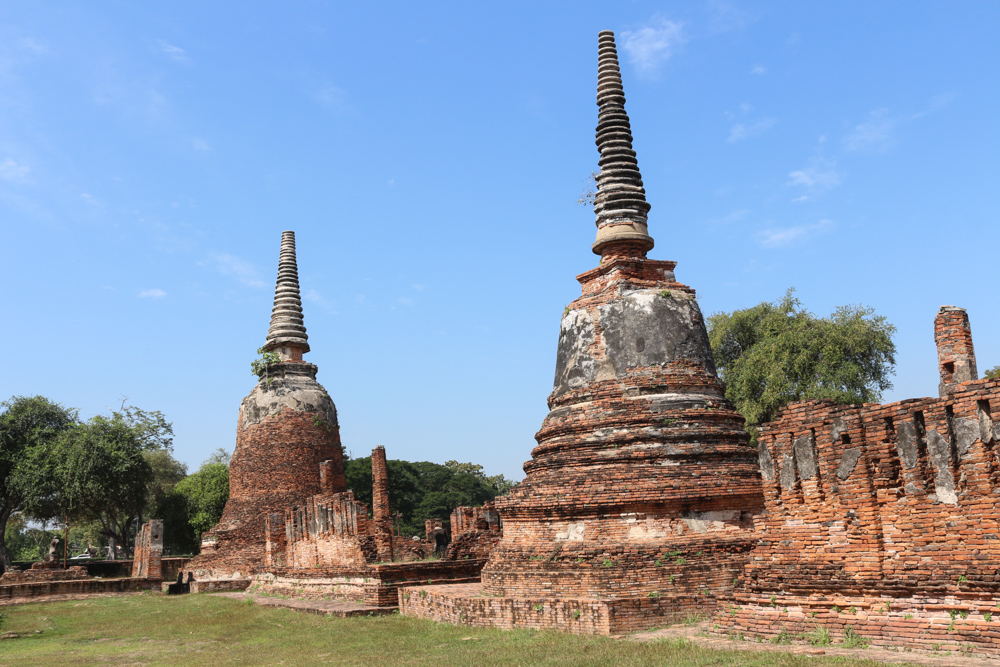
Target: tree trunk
{"type": "Point", "coordinates": [5, 561]}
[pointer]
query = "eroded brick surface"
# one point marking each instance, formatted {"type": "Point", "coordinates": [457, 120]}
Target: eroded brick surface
{"type": "Point", "coordinates": [147, 561]}
{"type": "Point", "coordinates": [475, 531]}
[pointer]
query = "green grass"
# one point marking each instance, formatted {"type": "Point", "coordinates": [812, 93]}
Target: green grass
{"type": "Point", "coordinates": [205, 630]}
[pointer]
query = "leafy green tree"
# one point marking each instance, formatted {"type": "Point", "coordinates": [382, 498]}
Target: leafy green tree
{"type": "Point", "coordinates": [162, 503]}
{"type": "Point", "coordinates": [500, 484]}
{"type": "Point", "coordinates": [776, 353]}
{"type": "Point", "coordinates": [101, 474]}
{"type": "Point", "coordinates": [203, 496]}
{"type": "Point", "coordinates": [422, 490]}
{"type": "Point", "coordinates": [150, 427]}
{"type": "Point", "coordinates": [29, 428]}
{"type": "Point", "coordinates": [992, 373]}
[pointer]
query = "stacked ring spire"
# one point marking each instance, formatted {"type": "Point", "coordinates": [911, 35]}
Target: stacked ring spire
{"type": "Point", "coordinates": [620, 202]}
{"type": "Point", "coordinates": [287, 326]}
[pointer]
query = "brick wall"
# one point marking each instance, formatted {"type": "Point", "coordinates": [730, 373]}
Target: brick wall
{"type": "Point", "coordinates": [43, 574]}
{"type": "Point", "coordinates": [881, 517]}
{"type": "Point", "coordinates": [375, 584]}
{"type": "Point", "coordinates": [475, 531]}
{"type": "Point", "coordinates": [325, 530]}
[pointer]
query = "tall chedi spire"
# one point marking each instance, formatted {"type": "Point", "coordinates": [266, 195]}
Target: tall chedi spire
{"type": "Point", "coordinates": [641, 464]}
{"type": "Point", "coordinates": [620, 202]}
{"type": "Point", "coordinates": [287, 334]}
{"type": "Point", "coordinates": [287, 427]}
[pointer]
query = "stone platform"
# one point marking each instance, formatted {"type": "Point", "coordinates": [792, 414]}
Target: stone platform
{"type": "Point", "coordinates": [46, 590]}
{"type": "Point", "coordinates": [339, 608]}
{"type": "Point", "coordinates": [377, 584]}
{"type": "Point", "coordinates": [467, 604]}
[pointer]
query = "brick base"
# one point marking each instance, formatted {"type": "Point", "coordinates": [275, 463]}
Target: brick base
{"type": "Point", "coordinates": [377, 584]}
{"type": "Point", "coordinates": [43, 589]}
{"type": "Point", "coordinates": [466, 604]}
{"type": "Point", "coordinates": [947, 624]}
{"type": "Point", "coordinates": [218, 586]}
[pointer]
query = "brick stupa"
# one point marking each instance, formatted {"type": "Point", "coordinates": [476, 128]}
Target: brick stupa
{"type": "Point", "coordinates": [640, 497]}
{"type": "Point", "coordinates": [287, 426]}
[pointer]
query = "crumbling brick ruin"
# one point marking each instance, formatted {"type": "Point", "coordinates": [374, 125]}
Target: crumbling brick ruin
{"type": "Point", "coordinates": [287, 426]}
{"type": "Point", "coordinates": [882, 518]}
{"type": "Point", "coordinates": [291, 526]}
{"type": "Point", "coordinates": [328, 547]}
{"type": "Point", "coordinates": [147, 561]}
{"type": "Point", "coordinates": [640, 498]}
{"type": "Point", "coordinates": [475, 532]}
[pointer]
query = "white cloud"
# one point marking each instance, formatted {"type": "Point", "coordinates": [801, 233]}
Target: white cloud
{"type": "Point", "coordinates": [776, 238]}
{"type": "Point", "coordinates": [819, 175]}
{"type": "Point", "coordinates": [802, 198]}
{"type": "Point", "coordinates": [14, 172]}
{"type": "Point", "coordinates": [735, 216]}
{"type": "Point", "coordinates": [758, 70]}
{"type": "Point", "coordinates": [242, 270]}
{"type": "Point", "coordinates": [744, 131]}
{"type": "Point", "coordinates": [648, 47]}
{"type": "Point", "coordinates": [90, 199]}
{"type": "Point", "coordinates": [726, 17]}
{"type": "Point", "coordinates": [200, 144]}
{"type": "Point", "coordinates": [152, 294]}
{"type": "Point", "coordinates": [419, 287]}
{"type": "Point", "coordinates": [174, 52]}
{"type": "Point", "coordinates": [330, 97]}
{"type": "Point", "coordinates": [872, 136]}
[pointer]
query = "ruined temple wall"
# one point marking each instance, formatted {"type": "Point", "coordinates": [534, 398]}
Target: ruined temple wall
{"type": "Point", "coordinates": [903, 494]}
{"type": "Point", "coordinates": [881, 518]}
{"type": "Point", "coordinates": [475, 531]}
{"type": "Point", "coordinates": [328, 529]}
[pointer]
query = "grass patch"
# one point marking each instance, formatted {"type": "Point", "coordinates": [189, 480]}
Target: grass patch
{"type": "Point", "coordinates": [208, 630]}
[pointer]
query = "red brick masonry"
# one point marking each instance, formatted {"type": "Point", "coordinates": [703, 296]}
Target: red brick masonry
{"type": "Point", "coordinates": [881, 518]}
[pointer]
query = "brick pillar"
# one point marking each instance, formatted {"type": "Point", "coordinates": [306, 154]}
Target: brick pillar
{"type": "Point", "coordinates": [327, 478]}
{"type": "Point", "coordinates": [147, 559]}
{"type": "Point", "coordinates": [956, 357]}
{"type": "Point", "coordinates": [380, 505]}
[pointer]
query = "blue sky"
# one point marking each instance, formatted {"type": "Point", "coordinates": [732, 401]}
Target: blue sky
{"type": "Point", "coordinates": [429, 157]}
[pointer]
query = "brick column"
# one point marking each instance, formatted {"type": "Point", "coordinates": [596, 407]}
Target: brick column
{"type": "Point", "coordinates": [956, 356]}
{"type": "Point", "coordinates": [380, 505]}
{"type": "Point", "coordinates": [327, 482]}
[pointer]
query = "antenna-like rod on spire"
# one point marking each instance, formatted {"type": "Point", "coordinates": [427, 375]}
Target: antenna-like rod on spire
{"type": "Point", "coordinates": [620, 201]}
{"type": "Point", "coordinates": [287, 334]}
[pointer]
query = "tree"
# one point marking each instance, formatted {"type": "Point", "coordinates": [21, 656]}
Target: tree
{"type": "Point", "coordinates": [422, 490]}
{"type": "Point", "coordinates": [204, 495]}
{"type": "Point", "coordinates": [775, 353]}
{"type": "Point", "coordinates": [162, 503]}
{"type": "Point", "coordinates": [97, 472]}
{"type": "Point", "coordinates": [500, 484]}
{"type": "Point", "coordinates": [29, 428]}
